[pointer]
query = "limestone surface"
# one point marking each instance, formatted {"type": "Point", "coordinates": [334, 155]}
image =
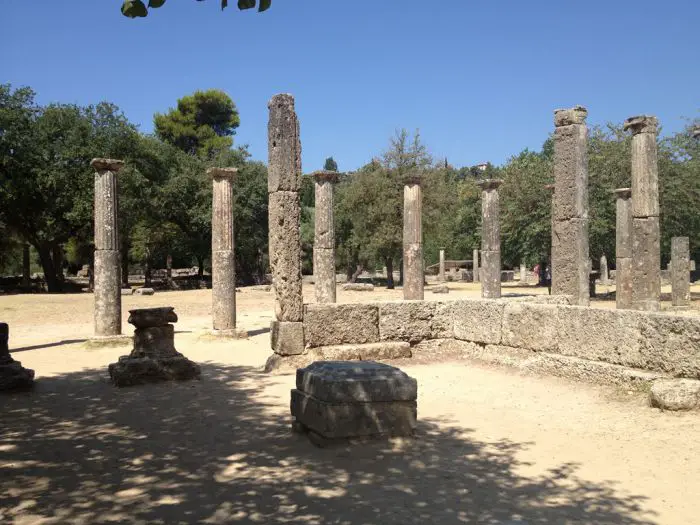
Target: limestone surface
{"type": "Point", "coordinates": [287, 337]}
{"type": "Point", "coordinates": [646, 263]}
{"type": "Point", "coordinates": [357, 287]}
{"type": "Point", "coordinates": [413, 321]}
{"type": "Point", "coordinates": [675, 394]}
{"type": "Point", "coordinates": [335, 324]}
{"type": "Point", "coordinates": [366, 352]}
{"type": "Point", "coordinates": [107, 293]}
{"type": "Point", "coordinates": [680, 271]}
{"type": "Point", "coordinates": [478, 320]}
{"type": "Point", "coordinates": [284, 145]}
{"type": "Point", "coordinates": [531, 326]}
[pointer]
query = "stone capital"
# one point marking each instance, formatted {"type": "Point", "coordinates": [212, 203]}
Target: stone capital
{"type": "Point", "coordinates": [281, 99]}
{"type": "Point", "coordinates": [222, 173]}
{"type": "Point", "coordinates": [325, 176]}
{"type": "Point", "coordinates": [695, 133]}
{"type": "Point", "coordinates": [641, 124]}
{"type": "Point", "coordinates": [623, 193]}
{"type": "Point", "coordinates": [112, 165]}
{"type": "Point", "coordinates": [410, 179]}
{"type": "Point", "coordinates": [489, 184]}
{"type": "Point", "coordinates": [567, 117]}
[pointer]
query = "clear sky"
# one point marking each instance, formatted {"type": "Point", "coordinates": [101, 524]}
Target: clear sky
{"type": "Point", "coordinates": [479, 78]}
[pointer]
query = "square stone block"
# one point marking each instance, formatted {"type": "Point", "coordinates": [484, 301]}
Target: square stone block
{"type": "Point", "coordinates": [531, 326]}
{"type": "Point", "coordinates": [478, 321]}
{"type": "Point", "coordinates": [570, 262]}
{"type": "Point", "coordinates": [287, 338]}
{"type": "Point", "coordinates": [155, 341]}
{"type": "Point", "coordinates": [671, 343]}
{"type": "Point", "coordinates": [570, 199]}
{"type": "Point", "coordinates": [337, 324]}
{"type": "Point", "coordinates": [646, 263]}
{"type": "Point", "coordinates": [414, 321]}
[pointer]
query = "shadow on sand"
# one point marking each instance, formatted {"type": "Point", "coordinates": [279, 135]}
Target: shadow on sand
{"type": "Point", "coordinates": [77, 450]}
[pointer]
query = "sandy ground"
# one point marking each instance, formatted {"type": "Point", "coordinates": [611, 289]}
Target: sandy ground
{"type": "Point", "coordinates": [492, 447]}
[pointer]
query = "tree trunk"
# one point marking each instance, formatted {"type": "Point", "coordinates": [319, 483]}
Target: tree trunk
{"type": "Point", "coordinates": [169, 271]}
{"type": "Point", "coordinates": [389, 263]}
{"type": "Point", "coordinates": [356, 273]}
{"type": "Point", "coordinates": [26, 267]}
{"type": "Point", "coordinates": [53, 285]}
{"type": "Point", "coordinates": [57, 256]}
{"type": "Point", "coordinates": [200, 264]}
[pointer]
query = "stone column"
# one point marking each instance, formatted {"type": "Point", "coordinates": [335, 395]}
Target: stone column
{"type": "Point", "coordinates": [475, 265]}
{"type": "Point", "coordinates": [523, 274]}
{"type": "Point", "coordinates": [604, 270]}
{"type": "Point", "coordinates": [570, 258]}
{"type": "Point", "coordinates": [284, 210]}
{"type": "Point", "coordinates": [324, 237]}
{"type": "Point", "coordinates": [680, 272]}
{"type": "Point", "coordinates": [223, 258]}
{"type": "Point", "coordinates": [646, 244]}
{"type": "Point", "coordinates": [108, 304]}
{"type": "Point", "coordinates": [623, 248]}
{"type": "Point", "coordinates": [441, 271]}
{"type": "Point", "coordinates": [490, 274]}
{"type": "Point", "coordinates": [413, 238]}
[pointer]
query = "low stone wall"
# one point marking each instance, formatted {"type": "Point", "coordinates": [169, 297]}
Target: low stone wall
{"type": "Point", "coordinates": [669, 344]}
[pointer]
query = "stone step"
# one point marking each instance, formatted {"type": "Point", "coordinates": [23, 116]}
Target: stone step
{"type": "Point", "coordinates": [365, 351]}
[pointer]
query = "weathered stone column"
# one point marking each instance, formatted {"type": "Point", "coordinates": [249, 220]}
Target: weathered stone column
{"type": "Point", "coordinates": [646, 244]}
{"type": "Point", "coordinates": [108, 303]}
{"type": "Point", "coordinates": [604, 279]}
{"type": "Point", "coordinates": [680, 272]}
{"type": "Point", "coordinates": [623, 248]}
{"type": "Point", "coordinates": [324, 237]}
{"type": "Point", "coordinates": [475, 265]}
{"type": "Point", "coordinates": [223, 258]}
{"type": "Point", "coordinates": [523, 274]}
{"type": "Point", "coordinates": [284, 209]}
{"type": "Point", "coordinates": [570, 259]}
{"type": "Point", "coordinates": [490, 274]}
{"type": "Point", "coordinates": [441, 271]}
{"type": "Point", "coordinates": [413, 238]}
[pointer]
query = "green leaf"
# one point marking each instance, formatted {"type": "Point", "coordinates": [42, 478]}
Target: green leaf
{"type": "Point", "coordinates": [264, 5]}
{"type": "Point", "coordinates": [134, 9]}
{"type": "Point", "coordinates": [246, 4]}
{"type": "Point", "coordinates": [155, 3]}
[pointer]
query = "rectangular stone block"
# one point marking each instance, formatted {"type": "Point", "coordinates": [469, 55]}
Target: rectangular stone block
{"type": "Point", "coordinates": [285, 254]}
{"type": "Point", "coordinates": [366, 352]}
{"type": "Point", "coordinates": [570, 263]}
{"type": "Point", "coordinates": [287, 338]}
{"type": "Point", "coordinates": [395, 418]}
{"type": "Point", "coordinates": [414, 321]}
{"type": "Point", "coordinates": [646, 263]}
{"type": "Point", "coordinates": [531, 326]}
{"type": "Point", "coordinates": [671, 343]}
{"type": "Point", "coordinates": [570, 199]}
{"type": "Point", "coordinates": [155, 341]}
{"type": "Point", "coordinates": [645, 176]}
{"type": "Point", "coordinates": [337, 324]}
{"type": "Point", "coordinates": [478, 320]}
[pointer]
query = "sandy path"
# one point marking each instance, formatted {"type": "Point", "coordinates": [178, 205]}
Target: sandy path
{"type": "Point", "coordinates": [493, 446]}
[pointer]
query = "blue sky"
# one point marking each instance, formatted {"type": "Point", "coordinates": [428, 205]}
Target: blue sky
{"type": "Point", "coordinates": [479, 78]}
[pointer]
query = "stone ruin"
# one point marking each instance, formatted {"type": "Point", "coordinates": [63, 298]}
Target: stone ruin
{"type": "Point", "coordinates": [13, 376]}
{"type": "Point", "coordinates": [153, 358]}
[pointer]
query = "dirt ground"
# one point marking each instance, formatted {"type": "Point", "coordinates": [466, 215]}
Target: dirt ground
{"type": "Point", "coordinates": [492, 447]}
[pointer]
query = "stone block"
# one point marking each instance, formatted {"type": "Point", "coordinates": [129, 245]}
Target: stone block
{"type": "Point", "coordinates": [414, 321]}
{"type": "Point", "coordinates": [324, 274]}
{"type": "Point", "coordinates": [127, 291]}
{"type": "Point", "coordinates": [107, 294]}
{"type": "Point", "coordinates": [366, 352]}
{"type": "Point", "coordinates": [149, 317]}
{"type": "Point", "coordinates": [442, 288]}
{"type": "Point", "coordinates": [646, 263]}
{"type": "Point", "coordinates": [671, 343]}
{"type": "Point", "coordinates": [358, 287]}
{"type": "Point", "coordinates": [155, 341]}
{"type": "Point", "coordinates": [130, 371]}
{"type": "Point", "coordinates": [570, 264]}
{"type": "Point", "coordinates": [285, 254]}
{"type": "Point", "coordinates": [675, 394]}
{"type": "Point", "coordinates": [645, 176]}
{"type": "Point", "coordinates": [337, 324]}
{"type": "Point", "coordinates": [531, 326]}
{"type": "Point", "coordinates": [144, 291]}
{"type": "Point", "coordinates": [287, 337]}
{"type": "Point", "coordinates": [13, 376]}
{"type": "Point", "coordinates": [478, 321]}
{"type": "Point", "coordinates": [570, 199]}
{"type": "Point", "coordinates": [356, 382]}
{"type": "Point", "coordinates": [284, 145]}
{"type": "Point", "coordinates": [490, 274]}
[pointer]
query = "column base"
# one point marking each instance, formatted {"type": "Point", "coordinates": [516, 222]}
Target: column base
{"type": "Point", "coordinates": [14, 377]}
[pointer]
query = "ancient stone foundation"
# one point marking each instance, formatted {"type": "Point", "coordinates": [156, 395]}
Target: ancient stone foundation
{"type": "Point", "coordinates": [340, 400]}
{"type": "Point", "coordinates": [490, 272]}
{"type": "Point", "coordinates": [283, 185]}
{"type": "Point", "coordinates": [680, 272]}
{"type": "Point", "coordinates": [154, 357]}
{"type": "Point", "coordinates": [13, 376]}
{"type": "Point", "coordinates": [570, 260]}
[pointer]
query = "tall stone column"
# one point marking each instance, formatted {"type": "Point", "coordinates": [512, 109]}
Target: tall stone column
{"type": "Point", "coordinates": [441, 271]}
{"type": "Point", "coordinates": [108, 303]}
{"type": "Point", "coordinates": [646, 243]}
{"type": "Point", "coordinates": [570, 260]}
{"type": "Point", "coordinates": [680, 272]}
{"type": "Point", "coordinates": [284, 209]}
{"type": "Point", "coordinates": [523, 274]}
{"type": "Point", "coordinates": [490, 274]}
{"type": "Point", "coordinates": [475, 265]}
{"type": "Point", "coordinates": [604, 270]}
{"type": "Point", "coordinates": [413, 238]}
{"type": "Point", "coordinates": [223, 258]}
{"type": "Point", "coordinates": [623, 248]}
{"type": "Point", "coordinates": [324, 237]}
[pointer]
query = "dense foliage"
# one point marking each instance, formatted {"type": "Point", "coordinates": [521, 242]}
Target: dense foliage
{"type": "Point", "coordinates": [137, 9]}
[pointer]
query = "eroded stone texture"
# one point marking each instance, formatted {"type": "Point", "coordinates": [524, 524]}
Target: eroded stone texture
{"type": "Point", "coordinates": [646, 263]}
{"type": "Point", "coordinates": [570, 206]}
{"type": "Point", "coordinates": [358, 287]}
{"type": "Point", "coordinates": [531, 326]}
{"type": "Point", "coordinates": [680, 271]}
{"type": "Point", "coordinates": [148, 317]}
{"type": "Point", "coordinates": [623, 248]}
{"type": "Point", "coordinates": [337, 399]}
{"type": "Point", "coordinates": [413, 240]}
{"type": "Point", "coordinates": [414, 321]}
{"type": "Point", "coordinates": [13, 376]}
{"type": "Point", "coordinates": [223, 284]}
{"type": "Point", "coordinates": [285, 254]}
{"type": "Point", "coordinates": [604, 270]}
{"type": "Point", "coordinates": [475, 265]}
{"type": "Point", "coordinates": [490, 274]}
{"type": "Point", "coordinates": [287, 338]}
{"type": "Point", "coordinates": [336, 324]}
{"type": "Point", "coordinates": [441, 269]}
{"type": "Point", "coordinates": [623, 283]}
{"type": "Point", "coordinates": [365, 352]}
{"type": "Point", "coordinates": [478, 320]}
{"type": "Point", "coordinates": [675, 394]}
{"type": "Point", "coordinates": [284, 145]}
{"type": "Point", "coordinates": [324, 237]}
{"type": "Point", "coordinates": [107, 277]}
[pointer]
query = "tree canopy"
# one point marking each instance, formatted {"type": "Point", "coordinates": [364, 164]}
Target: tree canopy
{"type": "Point", "coordinates": [137, 9]}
